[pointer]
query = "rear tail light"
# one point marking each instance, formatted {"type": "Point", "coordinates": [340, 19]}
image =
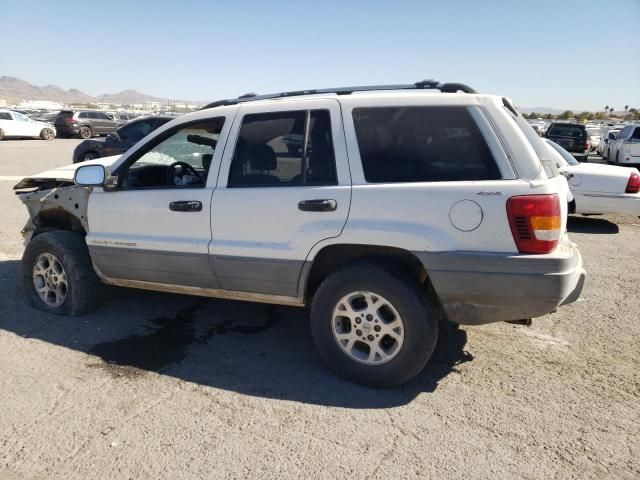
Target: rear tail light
{"type": "Point", "coordinates": [535, 222]}
{"type": "Point", "coordinates": [69, 120]}
{"type": "Point", "coordinates": [587, 145]}
{"type": "Point", "coordinates": [633, 186]}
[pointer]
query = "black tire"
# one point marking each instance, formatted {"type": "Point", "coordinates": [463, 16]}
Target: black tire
{"type": "Point", "coordinates": [418, 313]}
{"type": "Point", "coordinates": [47, 134]}
{"type": "Point", "coordinates": [1, 134]}
{"type": "Point", "coordinates": [84, 287]}
{"type": "Point", "coordinates": [91, 155]}
{"type": "Point", "coordinates": [617, 158]}
{"type": "Point", "coordinates": [85, 132]}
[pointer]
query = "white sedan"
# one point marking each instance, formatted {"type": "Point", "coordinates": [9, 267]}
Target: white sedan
{"type": "Point", "coordinates": [15, 124]}
{"type": "Point", "coordinates": [598, 188]}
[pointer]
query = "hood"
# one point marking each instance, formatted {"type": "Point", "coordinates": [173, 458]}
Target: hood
{"type": "Point", "coordinates": [63, 174]}
{"type": "Point", "coordinates": [593, 177]}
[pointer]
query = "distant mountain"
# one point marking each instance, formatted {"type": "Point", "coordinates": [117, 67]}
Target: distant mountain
{"type": "Point", "coordinates": [12, 87]}
{"type": "Point", "coordinates": [545, 110]}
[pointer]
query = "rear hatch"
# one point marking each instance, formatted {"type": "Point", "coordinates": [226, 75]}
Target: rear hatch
{"type": "Point", "coordinates": [570, 137]}
{"type": "Point", "coordinates": [64, 118]}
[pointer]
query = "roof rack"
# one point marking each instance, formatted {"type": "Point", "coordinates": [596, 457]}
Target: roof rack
{"type": "Point", "coordinates": [422, 85]}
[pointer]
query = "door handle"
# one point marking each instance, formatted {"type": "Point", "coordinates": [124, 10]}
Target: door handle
{"type": "Point", "coordinates": [186, 206]}
{"type": "Point", "coordinates": [324, 205]}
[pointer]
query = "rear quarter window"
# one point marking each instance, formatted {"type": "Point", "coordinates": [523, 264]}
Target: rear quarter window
{"type": "Point", "coordinates": [422, 144]}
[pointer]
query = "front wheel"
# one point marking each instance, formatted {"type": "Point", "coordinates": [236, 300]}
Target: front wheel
{"type": "Point", "coordinates": [1, 134]}
{"type": "Point", "coordinates": [58, 275]}
{"type": "Point", "coordinates": [85, 132]}
{"type": "Point", "coordinates": [47, 134]}
{"type": "Point", "coordinates": [374, 325]}
{"type": "Point", "coordinates": [90, 156]}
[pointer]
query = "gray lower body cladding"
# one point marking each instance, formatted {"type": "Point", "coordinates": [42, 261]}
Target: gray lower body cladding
{"type": "Point", "coordinates": [240, 274]}
{"type": "Point", "coordinates": [258, 275]}
{"type": "Point", "coordinates": [477, 288]}
{"type": "Point", "coordinates": [173, 268]}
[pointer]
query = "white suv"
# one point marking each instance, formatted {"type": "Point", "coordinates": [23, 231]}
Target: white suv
{"type": "Point", "coordinates": [15, 124]}
{"type": "Point", "coordinates": [625, 149]}
{"type": "Point", "coordinates": [385, 210]}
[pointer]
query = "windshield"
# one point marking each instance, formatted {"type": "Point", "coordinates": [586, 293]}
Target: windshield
{"type": "Point", "coordinates": [566, 156]}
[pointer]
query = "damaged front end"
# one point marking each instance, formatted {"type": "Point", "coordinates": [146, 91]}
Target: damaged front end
{"type": "Point", "coordinates": [53, 204]}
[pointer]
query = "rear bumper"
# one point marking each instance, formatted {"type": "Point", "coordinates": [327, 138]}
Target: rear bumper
{"type": "Point", "coordinates": [67, 129]}
{"type": "Point", "coordinates": [477, 288]}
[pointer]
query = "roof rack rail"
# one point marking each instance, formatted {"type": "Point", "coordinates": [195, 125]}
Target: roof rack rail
{"type": "Point", "coordinates": [422, 85]}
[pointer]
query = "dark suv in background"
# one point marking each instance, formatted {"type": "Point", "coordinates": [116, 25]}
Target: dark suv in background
{"type": "Point", "coordinates": [573, 137]}
{"type": "Point", "coordinates": [84, 123]}
{"type": "Point", "coordinates": [120, 141]}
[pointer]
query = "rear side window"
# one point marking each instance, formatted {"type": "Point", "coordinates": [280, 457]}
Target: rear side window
{"type": "Point", "coordinates": [84, 115]}
{"type": "Point", "coordinates": [422, 144]}
{"type": "Point", "coordinates": [636, 133]}
{"type": "Point", "coordinates": [283, 149]}
{"type": "Point", "coordinates": [5, 116]}
{"type": "Point", "coordinates": [566, 130]}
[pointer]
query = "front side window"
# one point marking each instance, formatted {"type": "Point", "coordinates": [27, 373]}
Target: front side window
{"type": "Point", "coordinates": [636, 134]}
{"type": "Point", "coordinates": [181, 159]}
{"type": "Point", "coordinates": [422, 144]}
{"type": "Point", "coordinates": [284, 149]}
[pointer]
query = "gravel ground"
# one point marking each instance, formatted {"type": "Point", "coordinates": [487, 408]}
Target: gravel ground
{"type": "Point", "coordinates": [168, 386]}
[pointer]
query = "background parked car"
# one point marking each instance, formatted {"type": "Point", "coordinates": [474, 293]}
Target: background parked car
{"type": "Point", "coordinates": [599, 189]}
{"type": "Point", "coordinates": [120, 141]}
{"type": "Point", "coordinates": [14, 124]}
{"type": "Point", "coordinates": [122, 117]}
{"type": "Point", "coordinates": [625, 149]}
{"type": "Point", "coordinates": [595, 136]}
{"type": "Point", "coordinates": [572, 137]}
{"type": "Point", "coordinates": [608, 135]}
{"type": "Point", "coordinates": [47, 117]}
{"type": "Point", "coordinates": [84, 123]}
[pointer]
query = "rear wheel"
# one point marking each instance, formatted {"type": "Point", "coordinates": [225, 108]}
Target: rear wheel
{"type": "Point", "coordinates": [1, 134]}
{"type": "Point", "coordinates": [58, 275]}
{"type": "Point", "coordinates": [374, 325]}
{"type": "Point", "coordinates": [47, 134]}
{"type": "Point", "coordinates": [85, 132]}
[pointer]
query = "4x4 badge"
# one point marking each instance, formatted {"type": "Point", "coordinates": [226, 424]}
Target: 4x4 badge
{"type": "Point", "coordinates": [489, 193]}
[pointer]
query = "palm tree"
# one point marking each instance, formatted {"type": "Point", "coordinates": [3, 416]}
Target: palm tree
{"type": "Point", "coordinates": [626, 107]}
{"type": "Point", "coordinates": [611, 110]}
{"type": "Point", "coordinates": [606, 108]}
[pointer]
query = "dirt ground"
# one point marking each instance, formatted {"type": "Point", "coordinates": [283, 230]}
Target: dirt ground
{"type": "Point", "coordinates": [167, 386]}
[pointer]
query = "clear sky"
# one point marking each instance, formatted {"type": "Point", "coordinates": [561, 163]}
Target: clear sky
{"type": "Point", "coordinates": [561, 53]}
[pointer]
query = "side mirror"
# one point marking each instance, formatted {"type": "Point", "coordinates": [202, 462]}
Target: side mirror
{"type": "Point", "coordinates": [612, 136]}
{"type": "Point", "coordinates": [90, 176]}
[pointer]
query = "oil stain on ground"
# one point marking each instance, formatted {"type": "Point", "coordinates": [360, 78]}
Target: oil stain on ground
{"type": "Point", "coordinates": [168, 341]}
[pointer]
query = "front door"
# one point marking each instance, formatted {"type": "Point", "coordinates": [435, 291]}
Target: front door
{"type": "Point", "coordinates": [156, 226]}
{"type": "Point", "coordinates": [284, 186]}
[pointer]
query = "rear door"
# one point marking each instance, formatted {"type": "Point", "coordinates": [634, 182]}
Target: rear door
{"type": "Point", "coordinates": [284, 186]}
